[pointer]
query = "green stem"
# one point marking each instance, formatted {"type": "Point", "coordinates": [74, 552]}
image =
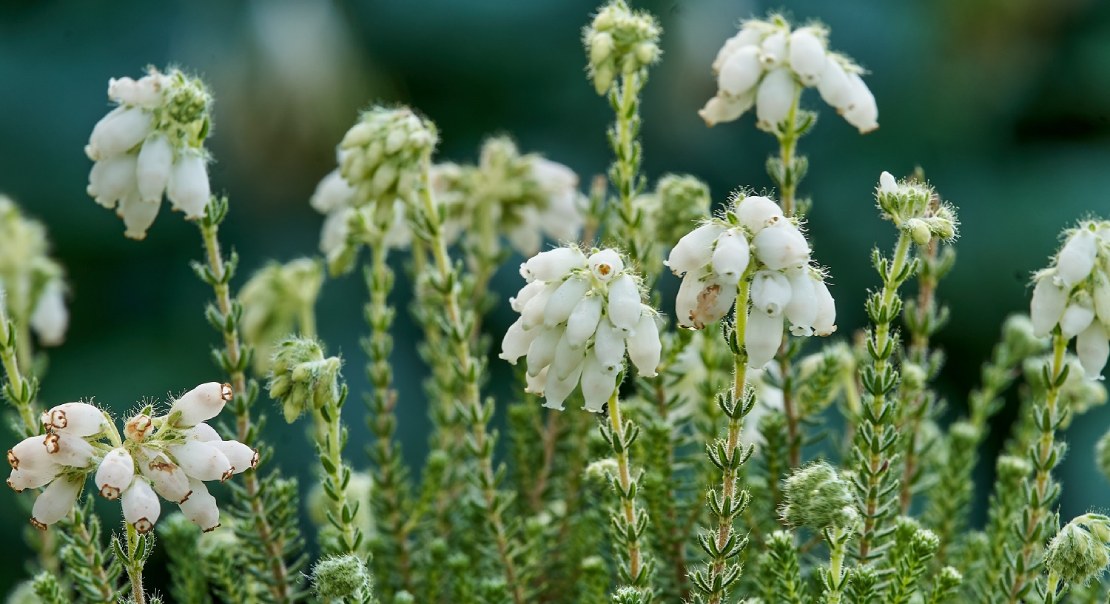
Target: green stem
{"type": "Point", "coordinates": [21, 389]}
{"type": "Point", "coordinates": [135, 565]}
{"type": "Point", "coordinates": [838, 542]}
{"type": "Point", "coordinates": [788, 142]}
{"type": "Point", "coordinates": [627, 494]}
{"type": "Point", "coordinates": [337, 474]}
{"type": "Point", "coordinates": [459, 337]}
{"type": "Point", "coordinates": [1044, 460]}
{"type": "Point", "coordinates": [1052, 587]}
{"type": "Point", "coordinates": [625, 171]}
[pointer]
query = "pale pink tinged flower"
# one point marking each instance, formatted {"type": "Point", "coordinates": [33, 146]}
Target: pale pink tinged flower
{"type": "Point", "coordinates": [201, 403]}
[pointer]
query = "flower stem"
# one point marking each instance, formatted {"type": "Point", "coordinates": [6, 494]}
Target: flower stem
{"type": "Point", "coordinates": [1042, 488]}
{"type": "Point", "coordinates": [632, 521]}
{"type": "Point", "coordinates": [218, 274]}
{"type": "Point", "coordinates": [20, 390]}
{"type": "Point", "coordinates": [625, 171]}
{"type": "Point", "coordinates": [458, 326]}
{"type": "Point", "coordinates": [134, 565]}
{"type": "Point", "coordinates": [835, 579]}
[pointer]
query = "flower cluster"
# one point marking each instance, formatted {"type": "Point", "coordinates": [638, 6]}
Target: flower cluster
{"type": "Point", "coordinates": [150, 144]}
{"type": "Point", "coordinates": [752, 241]}
{"type": "Point", "coordinates": [767, 65]}
{"type": "Point", "coordinates": [172, 455]}
{"type": "Point", "coordinates": [620, 41]}
{"type": "Point", "coordinates": [274, 299]}
{"type": "Point", "coordinates": [914, 207]}
{"type": "Point", "coordinates": [816, 496]}
{"type": "Point", "coordinates": [1073, 295]}
{"type": "Point", "coordinates": [1081, 550]}
{"type": "Point", "coordinates": [302, 379]}
{"type": "Point", "coordinates": [32, 287]}
{"type": "Point", "coordinates": [579, 315]}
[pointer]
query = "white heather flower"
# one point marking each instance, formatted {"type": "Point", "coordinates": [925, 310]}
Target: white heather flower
{"type": "Point", "coordinates": [31, 478]}
{"type": "Point", "coordinates": [580, 316]}
{"type": "Point", "coordinates": [756, 213]}
{"type": "Point", "coordinates": [50, 318]}
{"type": "Point", "coordinates": [766, 64]}
{"type": "Point", "coordinates": [695, 249]}
{"type": "Point", "coordinates": [781, 246]}
{"type": "Point", "coordinates": [201, 403]}
{"type": "Point", "coordinates": [76, 419]}
{"type": "Point", "coordinates": [1093, 347]}
{"type": "Point", "coordinates": [1076, 258]}
{"type": "Point", "coordinates": [1077, 316]}
{"type": "Point", "coordinates": [31, 452]}
{"type": "Point", "coordinates": [115, 473]}
{"type": "Point", "coordinates": [241, 457]}
{"type": "Point", "coordinates": [201, 460]}
{"type": "Point", "coordinates": [619, 41]}
{"type": "Point", "coordinates": [200, 507]}
{"type": "Point", "coordinates": [150, 144]}
{"type": "Point", "coordinates": [167, 479]}
{"type": "Point", "coordinates": [731, 256]}
{"type": "Point", "coordinates": [141, 507]}
{"type": "Point", "coordinates": [762, 337]}
{"type": "Point", "coordinates": [68, 449]}
{"type": "Point", "coordinates": [1047, 306]}
{"type": "Point", "coordinates": [802, 309]}
{"type": "Point", "coordinates": [824, 323]}
{"type": "Point", "coordinates": [770, 292]}
{"type": "Point", "coordinates": [55, 501]}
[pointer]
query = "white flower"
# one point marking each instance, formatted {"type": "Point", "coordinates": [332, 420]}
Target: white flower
{"type": "Point", "coordinates": [168, 480]}
{"type": "Point", "coordinates": [695, 249]}
{"type": "Point", "coordinates": [115, 473]}
{"type": "Point", "coordinates": [774, 99]}
{"type": "Point", "coordinates": [756, 213]}
{"type": "Point", "coordinates": [762, 337]}
{"type": "Point", "coordinates": [862, 111]}
{"type": "Point", "coordinates": [1077, 316]}
{"type": "Point", "coordinates": [824, 323]}
{"type": "Point", "coordinates": [1093, 347]}
{"type": "Point", "coordinates": [201, 460]}
{"type": "Point", "coordinates": [153, 166]}
{"type": "Point", "coordinates": [740, 72]}
{"type": "Point", "coordinates": [68, 449]}
{"type": "Point", "coordinates": [140, 506]}
{"type": "Point", "coordinates": [1047, 306]}
{"type": "Point", "coordinates": [200, 507]}
{"type": "Point", "coordinates": [770, 292]}
{"type": "Point", "coordinates": [807, 55]}
{"type": "Point", "coordinates": [55, 501]}
{"type": "Point", "coordinates": [77, 419]}
{"type": "Point", "coordinates": [201, 403]}
{"type": "Point", "coordinates": [1076, 258]}
{"type": "Point", "coordinates": [188, 188]}
{"type": "Point", "coordinates": [579, 316]}
{"type": "Point", "coordinates": [731, 256]}
{"type": "Point", "coordinates": [781, 246]}
{"type": "Point", "coordinates": [50, 318]}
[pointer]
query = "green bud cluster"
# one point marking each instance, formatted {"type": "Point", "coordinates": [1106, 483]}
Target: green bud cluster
{"type": "Point", "coordinates": [301, 378]}
{"type": "Point", "coordinates": [381, 155]}
{"type": "Point", "coordinates": [620, 41]}
{"type": "Point", "coordinates": [1078, 553]}
{"type": "Point", "coordinates": [817, 497]}
{"type": "Point", "coordinates": [273, 299]}
{"type": "Point", "coordinates": [679, 201]}
{"type": "Point", "coordinates": [184, 115]}
{"type": "Point", "coordinates": [341, 579]}
{"type": "Point", "coordinates": [916, 209]}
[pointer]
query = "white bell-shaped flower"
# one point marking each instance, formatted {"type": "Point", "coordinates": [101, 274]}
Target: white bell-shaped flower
{"type": "Point", "coordinates": [599, 382]}
{"type": "Point", "coordinates": [1093, 348]}
{"type": "Point", "coordinates": [750, 35]}
{"type": "Point", "coordinates": [542, 351]}
{"type": "Point", "coordinates": [189, 189]}
{"type": "Point", "coordinates": [609, 344]}
{"type": "Point", "coordinates": [772, 50]}
{"type": "Point", "coordinates": [605, 264]}
{"type": "Point", "coordinates": [583, 321]}
{"type": "Point", "coordinates": [552, 264]}
{"type": "Point", "coordinates": [770, 292]}
{"type": "Point", "coordinates": [762, 337]}
{"type": "Point", "coordinates": [201, 460]}
{"type": "Point", "coordinates": [118, 132]}
{"type": "Point", "coordinates": [557, 389]}
{"type": "Point", "coordinates": [824, 323]}
{"type": "Point", "coordinates": [112, 179]}
{"type": "Point", "coordinates": [563, 301]}
{"type": "Point", "coordinates": [888, 184]}
{"type": "Point", "coordinates": [32, 478]}
{"type": "Point", "coordinates": [56, 501]}
{"type": "Point", "coordinates": [644, 347]}
{"type": "Point", "coordinates": [774, 99]}
{"type": "Point", "coordinates": [781, 246]}
{"type": "Point", "coordinates": [76, 419]}
{"type": "Point", "coordinates": [731, 256]}
{"type": "Point", "coordinates": [141, 507]}
{"type": "Point", "coordinates": [200, 508]}
{"type": "Point", "coordinates": [567, 358]}
{"type": "Point", "coordinates": [740, 72]}
{"type": "Point", "coordinates": [525, 295]}
{"type": "Point", "coordinates": [50, 319]}
{"type": "Point", "coordinates": [30, 452]}
{"type": "Point", "coordinates": [756, 213]}
{"type": "Point", "coordinates": [201, 403]}
{"type": "Point", "coordinates": [241, 456]}
{"type": "Point", "coordinates": [137, 214]}
{"type": "Point", "coordinates": [713, 303]}
{"type": "Point", "coordinates": [695, 249]}
{"type": "Point", "coordinates": [833, 84]}
{"type": "Point", "coordinates": [332, 193]}
{"type": "Point", "coordinates": [801, 312]}
{"type": "Point", "coordinates": [153, 167]}
{"type": "Point", "coordinates": [726, 109]}
{"type": "Point", "coordinates": [1076, 258]}
{"type": "Point", "coordinates": [862, 111]}
{"type": "Point", "coordinates": [68, 450]}
{"type": "Point", "coordinates": [166, 477]}
{"type": "Point", "coordinates": [624, 303]}
{"type": "Point", "coordinates": [807, 55]}
{"type": "Point", "coordinates": [115, 473]}
{"type": "Point", "coordinates": [516, 342]}
{"type": "Point", "coordinates": [1078, 314]}
{"type": "Point", "coordinates": [1047, 306]}
{"type": "Point", "coordinates": [202, 432]}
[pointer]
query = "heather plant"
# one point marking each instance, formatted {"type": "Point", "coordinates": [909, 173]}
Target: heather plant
{"type": "Point", "coordinates": [704, 436]}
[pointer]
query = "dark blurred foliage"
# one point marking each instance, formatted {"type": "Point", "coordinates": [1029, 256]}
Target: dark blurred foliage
{"type": "Point", "coordinates": [1004, 103]}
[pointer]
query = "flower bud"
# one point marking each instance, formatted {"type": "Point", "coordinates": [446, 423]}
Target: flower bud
{"type": "Point", "coordinates": [140, 506]}
{"type": "Point", "coordinates": [644, 347]}
{"type": "Point", "coordinates": [782, 246]}
{"type": "Point", "coordinates": [115, 473]}
{"type": "Point", "coordinates": [301, 378]}
{"type": "Point", "coordinates": [341, 579]}
{"type": "Point", "coordinates": [75, 419]}
{"type": "Point", "coordinates": [695, 249]}
{"type": "Point", "coordinates": [1093, 348]}
{"type": "Point", "coordinates": [201, 403]}
{"type": "Point", "coordinates": [770, 292]}
{"type": "Point", "coordinates": [152, 168]}
{"type": "Point", "coordinates": [756, 212]}
{"type": "Point", "coordinates": [1075, 554]}
{"type": "Point", "coordinates": [552, 264]}
{"type": "Point", "coordinates": [817, 497]}
{"type": "Point", "coordinates": [919, 231]}
{"type": "Point", "coordinates": [774, 98]}
{"type": "Point", "coordinates": [740, 72]}
{"type": "Point", "coordinates": [56, 501]}
{"type": "Point", "coordinates": [200, 507]}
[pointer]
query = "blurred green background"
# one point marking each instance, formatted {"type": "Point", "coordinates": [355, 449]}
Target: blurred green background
{"type": "Point", "coordinates": [1005, 103]}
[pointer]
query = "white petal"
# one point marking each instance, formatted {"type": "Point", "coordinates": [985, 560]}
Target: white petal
{"type": "Point", "coordinates": [526, 294]}
{"type": "Point", "coordinates": [562, 302]}
{"type": "Point", "coordinates": [68, 450]}
{"type": "Point", "coordinates": [336, 229]}
{"type": "Point", "coordinates": [553, 264]}
{"type": "Point", "coordinates": [731, 256]}
{"type": "Point", "coordinates": [201, 460]}
{"type": "Point", "coordinates": [1093, 348]}
{"type": "Point", "coordinates": [833, 84]}
{"type": "Point", "coordinates": [31, 478]}
{"type": "Point", "coordinates": [168, 480]}
{"type": "Point", "coordinates": [75, 419]}
{"type": "Point", "coordinates": [774, 99]}
{"type": "Point", "coordinates": [747, 36]}
{"type": "Point", "coordinates": [624, 303]}
{"type": "Point", "coordinates": [189, 189]}
{"type": "Point", "coordinates": [807, 55]}
{"type": "Point", "coordinates": [516, 341]}
{"type": "Point", "coordinates": [825, 322]}
{"type": "Point", "coordinates": [605, 264]}
{"type": "Point", "coordinates": [598, 383]}
{"type": "Point", "coordinates": [140, 506]}
{"type": "Point", "coordinates": [1076, 258]}
{"type": "Point", "coordinates": [542, 350]}
{"type": "Point", "coordinates": [714, 302]}
{"type": "Point", "coordinates": [802, 309]}
{"type": "Point", "coordinates": [532, 314]}
{"type": "Point", "coordinates": [772, 50]}
{"type": "Point", "coordinates": [567, 359]}
{"type": "Point", "coordinates": [583, 321]}
{"type": "Point", "coordinates": [1077, 316]}
{"type": "Point", "coordinates": [782, 246]}
{"type": "Point", "coordinates": [557, 390]}
{"type": "Point", "coordinates": [1047, 306]}
{"type": "Point", "coordinates": [115, 473]}
{"type": "Point", "coordinates": [241, 456]}
{"type": "Point", "coordinates": [861, 112]}
{"type": "Point", "coordinates": [200, 508]}
{"type": "Point", "coordinates": [887, 183]}
{"type": "Point", "coordinates": [644, 347]}
{"type": "Point", "coordinates": [756, 213]}
{"type": "Point", "coordinates": [762, 338]}
{"type": "Point", "coordinates": [112, 178]}
{"type": "Point", "coordinates": [609, 345]}
{"type": "Point", "coordinates": [687, 301]}
{"type": "Point", "coordinates": [740, 72]}
{"type": "Point", "coordinates": [137, 215]}
{"type": "Point", "coordinates": [694, 250]}
{"type": "Point", "coordinates": [333, 192]}
{"type": "Point", "coordinates": [50, 318]}
{"type": "Point", "coordinates": [201, 403]}
{"type": "Point", "coordinates": [31, 454]}
{"type": "Point", "coordinates": [770, 292]}
{"type": "Point", "coordinates": [534, 384]}
{"type": "Point", "coordinates": [55, 501]}
{"type": "Point", "coordinates": [118, 132]}
{"type": "Point", "coordinates": [202, 432]}
{"type": "Point", "coordinates": [152, 170]}
{"type": "Point", "coordinates": [721, 109]}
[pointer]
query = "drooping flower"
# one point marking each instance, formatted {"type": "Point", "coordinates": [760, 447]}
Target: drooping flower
{"type": "Point", "coordinates": [755, 242]}
{"type": "Point", "coordinates": [579, 316]}
{"type": "Point", "coordinates": [32, 284]}
{"type": "Point", "coordinates": [767, 64]}
{"type": "Point", "coordinates": [152, 144]}
{"type": "Point", "coordinates": [169, 456]}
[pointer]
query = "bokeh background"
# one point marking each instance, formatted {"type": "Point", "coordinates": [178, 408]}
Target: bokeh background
{"type": "Point", "coordinates": [1005, 103]}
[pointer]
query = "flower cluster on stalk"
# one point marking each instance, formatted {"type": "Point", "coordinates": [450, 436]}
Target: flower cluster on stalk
{"type": "Point", "coordinates": [1073, 295]}
{"type": "Point", "coordinates": [620, 41]}
{"type": "Point", "coordinates": [767, 64]}
{"type": "Point", "coordinates": [579, 315]}
{"type": "Point", "coordinates": [171, 455]}
{"type": "Point", "coordinates": [32, 284]}
{"type": "Point", "coordinates": [753, 240]}
{"type": "Point", "coordinates": [151, 143]}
